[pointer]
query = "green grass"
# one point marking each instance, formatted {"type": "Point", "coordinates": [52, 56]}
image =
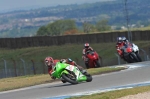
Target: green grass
{"type": "Point", "coordinates": [105, 50]}
{"type": "Point", "coordinates": [115, 94]}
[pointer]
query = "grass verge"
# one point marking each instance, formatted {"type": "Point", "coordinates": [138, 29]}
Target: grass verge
{"type": "Point", "coordinates": [115, 94]}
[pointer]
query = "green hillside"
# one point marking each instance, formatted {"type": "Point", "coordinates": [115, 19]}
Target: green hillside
{"type": "Point", "coordinates": [26, 23]}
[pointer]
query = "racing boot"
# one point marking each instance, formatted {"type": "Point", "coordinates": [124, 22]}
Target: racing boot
{"type": "Point", "coordinates": [87, 65]}
{"type": "Point", "coordinates": [63, 80]}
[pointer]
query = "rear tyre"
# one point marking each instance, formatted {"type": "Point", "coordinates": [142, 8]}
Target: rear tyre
{"type": "Point", "coordinates": [89, 78]}
{"type": "Point", "coordinates": [69, 78]}
{"type": "Point", "coordinates": [138, 56]}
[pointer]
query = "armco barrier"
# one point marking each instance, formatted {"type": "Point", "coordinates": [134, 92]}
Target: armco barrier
{"type": "Point", "coordinates": [36, 41]}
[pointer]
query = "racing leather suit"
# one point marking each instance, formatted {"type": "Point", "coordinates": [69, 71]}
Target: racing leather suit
{"type": "Point", "coordinates": [50, 68]}
{"type": "Point", "coordinates": [84, 56]}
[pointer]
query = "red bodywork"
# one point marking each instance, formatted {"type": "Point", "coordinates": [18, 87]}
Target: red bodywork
{"type": "Point", "coordinates": [93, 58]}
{"type": "Point", "coordinates": [128, 48]}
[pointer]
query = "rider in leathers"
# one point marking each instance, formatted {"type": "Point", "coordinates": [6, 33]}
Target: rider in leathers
{"type": "Point", "coordinates": [50, 63]}
{"type": "Point", "coordinates": [86, 48]}
{"type": "Point", "coordinates": [121, 41]}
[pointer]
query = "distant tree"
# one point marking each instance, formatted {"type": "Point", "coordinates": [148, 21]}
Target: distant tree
{"type": "Point", "coordinates": [42, 31]}
{"type": "Point", "coordinates": [102, 25]}
{"type": "Point", "coordinates": [73, 31]}
{"type": "Point", "coordinates": [87, 27]}
{"type": "Point", "coordinates": [58, 27]}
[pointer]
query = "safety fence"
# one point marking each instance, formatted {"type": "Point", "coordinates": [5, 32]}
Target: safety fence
{"type": "Point", "coordinates": [20, 67]}
{"type": "Point", "coordinates": [14, 68]}
{"type": "Point", "coordinates": [23, 42]}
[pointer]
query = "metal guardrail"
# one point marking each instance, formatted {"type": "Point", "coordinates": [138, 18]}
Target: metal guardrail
{"type": "Point", "coordinates": [13, 68]}
{"type": "Point", "coordinates": [5, 67]}
{"type": "Point", "coordinates": [145, 55]}
{"type": "Point", "coordinates": [118, 58]}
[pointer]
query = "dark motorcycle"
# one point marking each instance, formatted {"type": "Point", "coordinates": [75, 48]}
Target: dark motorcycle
{"type": "Point", "coordinates": [131, 53]}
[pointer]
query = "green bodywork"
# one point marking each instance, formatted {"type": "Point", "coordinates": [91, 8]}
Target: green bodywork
{"type": "Point", "coordinates": [61, 68]}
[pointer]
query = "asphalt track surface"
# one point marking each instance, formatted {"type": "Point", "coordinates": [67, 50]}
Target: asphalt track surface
{"type": "Point", "coordinates": [136, 73]}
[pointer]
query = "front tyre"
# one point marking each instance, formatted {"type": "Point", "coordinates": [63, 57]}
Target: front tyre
{"type": "Point", "coordinates": [128, 60]}
{"type": "Point", "coordinates": [69, 78]}
{"type": "Point", "coordinates": [134, 57]}
{"type": "Point", "coordinates": [97, 62]}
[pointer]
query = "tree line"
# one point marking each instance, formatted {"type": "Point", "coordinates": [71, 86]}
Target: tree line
{"type": "Point", "coordinates": [68, 26]}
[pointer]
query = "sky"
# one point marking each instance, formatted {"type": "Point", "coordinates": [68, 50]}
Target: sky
{"type": "Point", "coordinates": [10, 5]}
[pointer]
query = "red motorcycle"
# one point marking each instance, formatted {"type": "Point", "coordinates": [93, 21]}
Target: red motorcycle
{"type": "Point", "coordinates": [131, 53]}
{"type": "Point", "coordinates": [93, 59]}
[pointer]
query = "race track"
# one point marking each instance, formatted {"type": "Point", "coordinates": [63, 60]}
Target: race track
{"type": "Point", "coordinates": [136, 74]}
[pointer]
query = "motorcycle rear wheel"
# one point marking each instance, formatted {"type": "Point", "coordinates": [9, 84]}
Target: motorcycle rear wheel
{"type": "Point", "coordinates": [89, 78]}
{"type": "Point", "coordinates": [138, 56]}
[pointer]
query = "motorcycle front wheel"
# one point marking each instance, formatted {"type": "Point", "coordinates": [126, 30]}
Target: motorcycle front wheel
{"type": "Point", "coordinates": [98, 64]}
{"type": "Point", "coordinates": [134, 57]}
{"type": "Point", "coordinates": [69, 78]}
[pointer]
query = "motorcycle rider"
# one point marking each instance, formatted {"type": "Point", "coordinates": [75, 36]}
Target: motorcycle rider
{"type": "Point", "coordinates": [50, 63]}
{"type": "Point", "coordinates": [126, 42]}
{"type": "Point", "coordinates": [86, 48]}
{"type": "Point", "coordinates": [121, 41]}
{"type": "Point", "coordinates": [71, 62]}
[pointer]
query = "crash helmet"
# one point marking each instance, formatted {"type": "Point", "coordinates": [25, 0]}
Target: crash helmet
{"type": "Point", "coordinates": [49, 61]}
{"type": "Point", "coordinates": [69, 60]}
{"type": "Point", "coordinates": [119, 39]}
{"type": "Point", "coordinates": [86, 45]}
{"type": "Point", "coordinates": [124, 38]}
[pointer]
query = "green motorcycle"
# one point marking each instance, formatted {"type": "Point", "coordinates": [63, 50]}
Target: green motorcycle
{"type": "Point", "coordinates": [69, 73]}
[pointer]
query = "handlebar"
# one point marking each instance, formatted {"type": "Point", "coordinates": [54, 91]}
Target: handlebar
{"type": "Point", "coordinates": [89, 51]}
